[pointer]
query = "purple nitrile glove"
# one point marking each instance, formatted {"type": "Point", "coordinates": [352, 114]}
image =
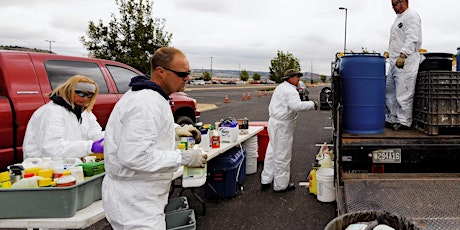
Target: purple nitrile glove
{"type": "Point", "coordinates": [98, 147]}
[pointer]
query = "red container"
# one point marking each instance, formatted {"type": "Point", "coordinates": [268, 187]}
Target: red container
{"type": "Point", "coordinates": [262, 139]}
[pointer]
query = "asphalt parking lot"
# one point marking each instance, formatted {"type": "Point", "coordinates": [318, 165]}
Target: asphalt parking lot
{"type": "Point", "coordinates": [253, 208]}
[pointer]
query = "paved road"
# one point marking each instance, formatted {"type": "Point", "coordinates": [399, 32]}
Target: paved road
{"type": "Point", "coordinates": [253, 208]}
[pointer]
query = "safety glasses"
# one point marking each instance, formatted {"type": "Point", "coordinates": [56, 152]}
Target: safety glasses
{"type": "Point", "coordinates": [83, 94]}
{"type": "Point", "coordinates": [179, 74]}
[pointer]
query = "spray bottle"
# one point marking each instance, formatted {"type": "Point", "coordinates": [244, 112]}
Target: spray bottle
{"type": "Point", "coordinates": [312, 183]}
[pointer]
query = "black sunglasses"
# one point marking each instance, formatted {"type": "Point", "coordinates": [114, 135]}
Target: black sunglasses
{"type": "Point", "coordinates": [179, 74]}
{"type": "Point", "coordinates": [83, 94]}
{"type": "Point", "coordinates": [396, 3]}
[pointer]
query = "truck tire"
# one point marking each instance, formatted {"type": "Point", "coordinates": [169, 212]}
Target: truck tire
{"type": "Point", "coordinates": [184, 120]}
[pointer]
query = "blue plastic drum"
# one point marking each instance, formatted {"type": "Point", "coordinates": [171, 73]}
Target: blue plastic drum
{"type": "Point", "coordinates": [363, 93]}
{"type": "Point", "coordinates": [458, 59]}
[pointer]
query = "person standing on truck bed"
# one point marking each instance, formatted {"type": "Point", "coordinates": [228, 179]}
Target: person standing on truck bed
{"type": "Point", "coordinates": [283, 108]}
{"type": "Point", "coordinates": [405, 42]}
{"type": "Point", "coordinates": [140, 145]}
{"type": "Point", "coordinates": [65, 127]}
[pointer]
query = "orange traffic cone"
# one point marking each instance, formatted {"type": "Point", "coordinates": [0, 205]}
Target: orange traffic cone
{"type": "Point", "coordinates": [244, 97]}
{"type": "Point", "coordinates": [265, 92]}
{"type": "Point", "coordinates": [259, 94]}
{"type": "Point", "coordinates": [226, 98]}
{"type": "Point", "coordinates": [249, 96]}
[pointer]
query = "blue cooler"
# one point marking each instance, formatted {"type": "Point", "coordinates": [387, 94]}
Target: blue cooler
{"type": "Point", "coordinates": [226, 174]}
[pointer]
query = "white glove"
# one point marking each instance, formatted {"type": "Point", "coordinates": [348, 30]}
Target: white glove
{"type": "Point", "coordinates": [400, 61]}
{"type": "Point", "coordinates": [189, 131]}
{"type": "Point", "coordinates": [193, 158]}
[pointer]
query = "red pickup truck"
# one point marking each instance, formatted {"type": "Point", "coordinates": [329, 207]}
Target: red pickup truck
{"type": "Point", "coordinates": [27, 77]}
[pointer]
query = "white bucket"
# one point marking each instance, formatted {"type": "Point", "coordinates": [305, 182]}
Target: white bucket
{"type": "Point", "coordinates": [325, 179]}
{"type": "Point", "coordinates": [251, 165]}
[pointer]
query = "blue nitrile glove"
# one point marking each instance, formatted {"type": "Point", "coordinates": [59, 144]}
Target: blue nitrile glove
{"type": "Point", "coordinates": [98, 146]}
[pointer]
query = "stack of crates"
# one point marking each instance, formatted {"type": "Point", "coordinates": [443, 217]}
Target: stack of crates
{"type": "Point", "coordinates": [178, 215]}
{"type": "Point", "coordinates": [226, 174]}
{"type": "Point", "coordinates": [437, 101]}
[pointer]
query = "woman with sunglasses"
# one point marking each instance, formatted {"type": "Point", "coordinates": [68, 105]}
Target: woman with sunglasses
{"type": "Point", "coordinates": [65, 127]}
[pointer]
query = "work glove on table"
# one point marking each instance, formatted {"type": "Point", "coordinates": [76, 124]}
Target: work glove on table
{"type": "Point", "coordinates": [400, 61]}
{"type": "Point", "coordinates": [98, 146]}
{"type": "Point", "coordinates": [193, 158]}
{"type": "Point", "coordinates": [189, 131]}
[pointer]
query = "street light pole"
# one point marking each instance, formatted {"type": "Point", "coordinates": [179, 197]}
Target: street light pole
{"type": "Point", "coordinates": [346, 15]}
{"type": "Point", "coordinates": [50, 43]}
{"type": "Point", "coordinates": [211, 68]}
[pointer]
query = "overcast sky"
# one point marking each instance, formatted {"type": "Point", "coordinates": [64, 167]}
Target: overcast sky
{"type": "Point", "coordinates": [238, 34]}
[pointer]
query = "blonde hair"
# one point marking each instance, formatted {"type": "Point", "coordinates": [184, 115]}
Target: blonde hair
{"type": "Point", "coordinates": [67, 90]}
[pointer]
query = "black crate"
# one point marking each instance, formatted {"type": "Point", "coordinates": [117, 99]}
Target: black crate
{"type": "Point", "coordinates": [437, 101]}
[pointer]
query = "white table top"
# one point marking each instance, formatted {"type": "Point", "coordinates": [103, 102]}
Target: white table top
{"type": "Point", "coordinates": [94, 213]}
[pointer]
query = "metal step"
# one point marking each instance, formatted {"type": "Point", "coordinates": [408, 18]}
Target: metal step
{"type": "Point", "coordinates": [432, 202]}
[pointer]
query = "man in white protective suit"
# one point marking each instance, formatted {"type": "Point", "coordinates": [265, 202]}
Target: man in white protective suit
{"type": "Point", "coordinates": [140, 145]}
{"type": "Point", "coordinates": [405, 42]}
{"type": "Point", "coordinates": [283, 108]}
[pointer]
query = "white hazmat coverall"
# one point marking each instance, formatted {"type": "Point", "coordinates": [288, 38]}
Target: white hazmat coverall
{"type": "Point", "coordinates": [140, 160]}
{"type": "Point", "coordinates": [53, 131]}
{"type": "Point", "coordinates": [406, 38]}
{"type": "Point", "coordinates": [283, 108]}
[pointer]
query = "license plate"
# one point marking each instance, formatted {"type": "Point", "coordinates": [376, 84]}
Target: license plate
{"type": "Point", "coordinates": [386, 156]}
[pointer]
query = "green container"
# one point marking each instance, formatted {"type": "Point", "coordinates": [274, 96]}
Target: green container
{"type": "Point", "coordinates": [92, 168]}
{"type": "Point", "coordinates": [181, 220]}
{"type": "Point", "coordinates": [50, 202]}
{"type": "Point", "coordinates": [177, 204]}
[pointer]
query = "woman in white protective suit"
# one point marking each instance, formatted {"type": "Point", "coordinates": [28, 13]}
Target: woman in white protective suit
{"type": "Point", "coordinates": [140, 145]}
{"type": "Point", "coordinates": [405, 42]}
{"type": "Point", "coordinates": [65, 127]}
{"type": "Point", "coordinates": [283, 108]}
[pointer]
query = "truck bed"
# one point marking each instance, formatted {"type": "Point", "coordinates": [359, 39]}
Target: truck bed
{"type": "Point", "coordinates": [432, 201]}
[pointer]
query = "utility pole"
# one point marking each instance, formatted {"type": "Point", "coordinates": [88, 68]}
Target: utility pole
{"type": "Point", "coordinates": [311, 72]}
{"type": "Point", "coordinates": [50, 41]}
{"type": "Point", "coordinates": [211, 68]}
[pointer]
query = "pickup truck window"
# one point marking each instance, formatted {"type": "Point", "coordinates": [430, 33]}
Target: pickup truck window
{"type": "Point", "coordinates": [121, 76]}
{"type": "Point", "coordinates": [60, 70]}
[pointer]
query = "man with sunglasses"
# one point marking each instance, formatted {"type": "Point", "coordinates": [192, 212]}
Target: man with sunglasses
{"type": "Point", "coordinates": [65, 127]}
{"type": "Point", "coordinates": [140, 145]}
{"type": "Point", "coordinates": [404, 59]}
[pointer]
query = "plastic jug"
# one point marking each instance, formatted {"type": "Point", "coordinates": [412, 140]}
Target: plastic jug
{"type": "Point", "coordinates": [205, 144]}
{"type": "Point", "coordinates": [28, 181]}
{"type": "Point", "coordinates": [66, 179]}
{"type": "Point", "coordinates": [312, 182]}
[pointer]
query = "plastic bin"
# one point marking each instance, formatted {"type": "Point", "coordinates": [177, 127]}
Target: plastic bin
{"type": "Point", "coordinates": [177, 204]}
{"type": "Point", "coordinates": [436, 101]}
{"type": "Point", "coordinates": [392, 220]}
{"type": "Point", "coordinates": [181, 220]}
{"type": "Point", "coordinates": [262, 139]}
{"type": "Point", "coordinates": [226, 174]}
{"type": "Point", "coordinates": [52, 202]}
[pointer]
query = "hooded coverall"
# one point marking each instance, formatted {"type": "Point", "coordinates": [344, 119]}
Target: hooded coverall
{"type": "Point", "coordinates": [53, 131]}
{"type": "Point", "coordinates": [140, 160]}
{"type": "Point", "coordinates": [283, 108]}
{"type": "Point", "coordinates": [406, 38]}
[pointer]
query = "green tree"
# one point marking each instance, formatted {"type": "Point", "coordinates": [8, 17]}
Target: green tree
{"type": "Point", "coordinates": [131, 38]}
{"type": "Point", "coordinates": [206, 76]}
{"type": "Point", "coordinates": [244, 75]}
{"type": "Point", "coordinates": [323, 78]}
{"type": "Point", "coordinates": [256, 76]}
{"type": "Point", "coordinates": [281, 63]}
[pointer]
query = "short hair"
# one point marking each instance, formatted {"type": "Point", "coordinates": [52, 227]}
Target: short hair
{"type": "Point", "coordinates": [67, 89]}
{"type": "Point", "coordinates": [162, 57]}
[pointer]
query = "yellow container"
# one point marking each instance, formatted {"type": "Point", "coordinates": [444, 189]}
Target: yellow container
{"type": "Point", "coordinates": [33, 170]}
{"type": "Point", "coordinates": [46, 173]}
{"type": "Point", "coordinates": [45, 182]}
{"type": "Point", "coordinates": [4, 176]}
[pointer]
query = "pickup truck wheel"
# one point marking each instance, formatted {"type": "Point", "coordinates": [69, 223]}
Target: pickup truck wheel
{"type": "Point", "coordinates": [184, 120]}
